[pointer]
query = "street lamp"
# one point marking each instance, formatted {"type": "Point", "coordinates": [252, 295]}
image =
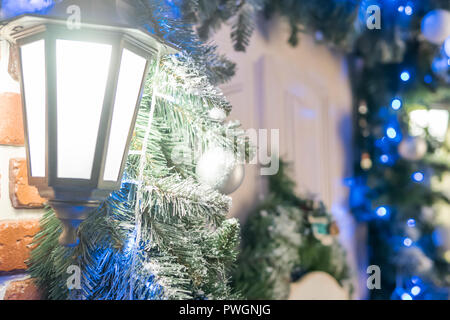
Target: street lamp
{"type": "Point", "coordinates": [81, 88]}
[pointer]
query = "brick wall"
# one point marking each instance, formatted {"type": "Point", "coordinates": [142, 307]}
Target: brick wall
{"type": "Point", "coordinates": [20, 204]}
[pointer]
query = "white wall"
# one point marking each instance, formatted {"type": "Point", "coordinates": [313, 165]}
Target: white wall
{"type": "Point", "coordinates": [305, 93]}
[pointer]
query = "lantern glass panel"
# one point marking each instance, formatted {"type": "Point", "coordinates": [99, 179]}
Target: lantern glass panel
{"type": "Point", "coordinates": [33, 69]}
{"type": "Point", "coordinates": [82, 74]}
{"type": "Point", "coordinates": [131, 74]}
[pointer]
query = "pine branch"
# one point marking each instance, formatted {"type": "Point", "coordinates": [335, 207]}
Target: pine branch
{"type": "Point", "coordinates": [186, 244]}
{"type": "Point", "coordinates": [243, 27]}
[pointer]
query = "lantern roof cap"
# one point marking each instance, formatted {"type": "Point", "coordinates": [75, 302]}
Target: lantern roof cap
{"type": "Point", "coordinates": [15, 28]}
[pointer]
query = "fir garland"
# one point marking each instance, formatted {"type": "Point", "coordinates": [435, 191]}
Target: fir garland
{"type": "Point", "coordinates": [180, 256]}
{"type": "Point", "coordinates": [186, 244]}
{"type": "Point", "coordinates": [334, 20]}
{"type": "Point", "coordinates": [285, 238]}
{"type": "Point", "coordinates": [163, 18]}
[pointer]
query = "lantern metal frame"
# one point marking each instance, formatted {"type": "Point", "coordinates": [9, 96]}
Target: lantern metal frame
{"type": "Point", "coordinates": [74, 199]}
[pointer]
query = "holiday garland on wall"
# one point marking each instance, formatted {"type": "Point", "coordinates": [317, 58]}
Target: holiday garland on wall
{"type": "Point", "coordinates": [285, 238]}
{"type": "Point", "coordinates": [163, 235]}
{"type": "Point", "coordinates": [331, 21]}
{"type": "Point", "coordinates": [166, 247]}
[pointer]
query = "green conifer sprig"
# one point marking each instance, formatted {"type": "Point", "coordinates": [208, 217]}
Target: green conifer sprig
{"type": "Point", "coordinates": [279, 244]}
{"type": "Point", "coordinates": [187, 245]}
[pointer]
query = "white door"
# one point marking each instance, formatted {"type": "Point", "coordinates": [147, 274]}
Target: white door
{"type": "Point", "coordinates": [305, 94]}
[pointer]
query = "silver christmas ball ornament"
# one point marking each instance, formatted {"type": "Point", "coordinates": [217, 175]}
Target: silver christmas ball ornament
{"type": "Point", "coordinates": [218, 169]}
{"type": "Point", "coordinates": [436, 26]}
{"type": "Point", "coordinates": [413, 148]}
{"type": "Point", "coordinates": [217, 114]}
{"type": "Point", "coordinates": [234, 181]}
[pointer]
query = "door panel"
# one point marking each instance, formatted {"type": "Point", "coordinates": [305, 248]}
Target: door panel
{"type": "Point", "coordinates": [304, 93]}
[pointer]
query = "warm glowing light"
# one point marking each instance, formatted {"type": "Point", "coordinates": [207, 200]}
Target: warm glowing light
{"type": "Point", "coordinates": [33, 65]}
{"type": "Point", "coordinates": [435, 120]}
{"type": "Point", "coordinates": [130, 79]}
{"type": "Point", "coordinates": [363, 108]}
{"type": "Point", "coordinates": [81, 91]}
{"type": "Point", "coordinates": [447, 256]}
{"type": "Point", "coordinates": [82, 73]}
{"type": "Point", "coordinates": [366, 162]}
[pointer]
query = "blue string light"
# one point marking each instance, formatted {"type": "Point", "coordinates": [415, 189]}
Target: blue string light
{"type": "Point", "coordinates": [415, 279]}
{"type": "Point", "coordinates": [407, 242]}
{"type": "Point", "coordinates": [415, 290]}
{"type": "Point", "coordinates": [396, 104]}
{"type": "Point", "coordinates": [408, 10]}
{"type": "Point", "coordinates": [405, 76]}
{"type": "Point", "coordinates": [411, 223]}
{"type": "Point", "coordinates": [382, 211]}
{"type": "Point", "coordinates": [417, 176]}
{"type": "Point", "coordinates": [384, 158]}
{"type": "Point", "coordinates": [406, 296]}
{"type": "Point", "coordinates": [391, 133]}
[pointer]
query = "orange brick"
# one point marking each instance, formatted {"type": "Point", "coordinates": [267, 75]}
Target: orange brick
{"type": "Point", "coordinates": [11, 119]}
{"type": "Point", "coordinates": [22, 290]}
{"type": "Point", "coordinates": [15, 243]}
{"type": "Point", "coordinates": [22, 195]}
